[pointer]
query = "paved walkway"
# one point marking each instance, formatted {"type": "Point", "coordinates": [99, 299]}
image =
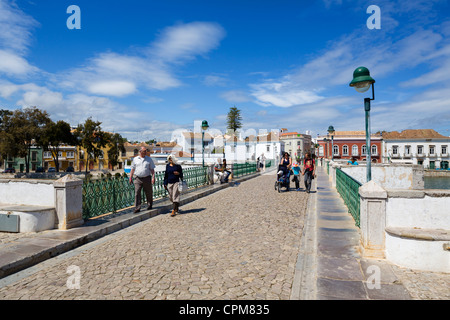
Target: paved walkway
{"type": "Point", "coordinates": [238, 243]}
{"type": "Point", "coordinates": [330, 265]}
{"type": "Point", "coordinates": [245, 241]}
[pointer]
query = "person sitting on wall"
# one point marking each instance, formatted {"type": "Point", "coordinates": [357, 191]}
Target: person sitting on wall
{"type": "Point", "coordinates": [352, 162]}
{"type": "Point", "coordinates": [223, 172]}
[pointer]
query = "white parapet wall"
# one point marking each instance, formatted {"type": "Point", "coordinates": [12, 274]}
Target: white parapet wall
{"type": "Point", "coordinates": [27, 192]}
{"type": "Point", "coordinates": [426, 209]}
{"type": "Point", "coordinates": [42, 204]}
{"type": "Point", "coordinates": [391, 176]}
{"type": "Point", "coordinates": [418, 229]}
{"type": "Point", "coordinates": [410, 228]}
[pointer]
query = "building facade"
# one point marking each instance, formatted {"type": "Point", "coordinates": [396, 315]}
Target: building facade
{"type": "Point", "coordinates": [345, 145]}
{"type": "Point", "coordinates": [19, 164]}
{"type": "Point", "coordinates": [66, 158]}
{"type": "Point", "coordinates": [423, 146]}
{"type": "Point", "coordinates": [296, 144]}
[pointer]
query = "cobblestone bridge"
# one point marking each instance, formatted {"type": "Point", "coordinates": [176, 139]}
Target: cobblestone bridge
{"type": "Point", "coordinates": [242, 242]}
{"type": "Point", "coordinates": [238, 243]}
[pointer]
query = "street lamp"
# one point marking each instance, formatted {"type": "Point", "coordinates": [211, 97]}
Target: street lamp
{"type": "Point", "coordinates": [331, 132]}
{"type": "Point", "coordinates": [205, 127]}
{"type": "Point", "coordinates": [362, 82]}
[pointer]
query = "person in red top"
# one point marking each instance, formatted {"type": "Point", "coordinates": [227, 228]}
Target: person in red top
{"type": "Point", "coordinates": [309, 171]}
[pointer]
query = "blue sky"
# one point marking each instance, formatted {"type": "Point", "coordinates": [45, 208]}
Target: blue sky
{"type": "Point", "coordinates": [147, 68]}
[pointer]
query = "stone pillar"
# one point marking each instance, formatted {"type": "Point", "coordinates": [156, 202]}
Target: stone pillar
{"type": "Point", "coordinates": [373, 219]}
{"type": "Point", "coordinates": [68, 202]}
{"type": "Point", "coordinates": [211, 174]}
{"type": "Point", "coordinates": [333, 167]}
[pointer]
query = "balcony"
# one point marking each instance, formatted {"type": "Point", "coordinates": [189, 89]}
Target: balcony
{"type": "Point", "coordinates": [420, 155]}
{"type": "Point", "coordinates": [407, 155]}
{"type": "Point", "coordinates": [396, 156]}
{"type": "Point", "coordinates": [432, 155]}
{"type": "Point", "coordinates": [445, 155]}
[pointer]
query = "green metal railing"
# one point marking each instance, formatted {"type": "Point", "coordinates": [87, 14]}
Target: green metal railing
{"type": "Point", "coordinates": [348, 188]}
{"type": "Point", "coordinates": [242, 169]}
{"type": "Point", "coordinates": [116, 193]}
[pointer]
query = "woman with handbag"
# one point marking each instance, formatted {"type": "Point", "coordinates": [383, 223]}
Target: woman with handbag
{"type": "Point", "coordinates": [172, 179]}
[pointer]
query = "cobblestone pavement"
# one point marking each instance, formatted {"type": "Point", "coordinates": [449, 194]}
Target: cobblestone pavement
{"type": "Point", "coordinates": [238, 243]}
{"type": "Point", "coordinates": [423, 285]}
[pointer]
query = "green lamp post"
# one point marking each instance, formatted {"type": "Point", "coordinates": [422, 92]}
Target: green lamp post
{"type": "Point", "coordinates": [362, 82]}
{"type": "Point", "coordinates": [331, 132]}
{"type": "Point", "coordinates": [205, 127]}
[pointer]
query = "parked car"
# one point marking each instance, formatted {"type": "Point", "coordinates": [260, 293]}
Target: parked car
{"type": "Point", "coordinates": [9, 170]}
{"type": "Point", "coordinates": [51, 170]}
{"type": "Point", "coordinates": [70, 169]}
{"type": "Point", "coordinates": [40, 169]}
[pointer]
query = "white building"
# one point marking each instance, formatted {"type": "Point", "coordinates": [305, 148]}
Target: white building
{"type": "Point", "coordinates": [422, 146]}
{"type": "Point", "coordinates": [191, 142]}
{"type": "Point", "coordinates": [296, 144]}
{"type": "Point", "coordinates": [239, 150]}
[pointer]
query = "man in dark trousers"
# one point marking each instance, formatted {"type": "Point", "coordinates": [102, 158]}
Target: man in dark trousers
{"type": "Point", "coordinates": [143, 169]}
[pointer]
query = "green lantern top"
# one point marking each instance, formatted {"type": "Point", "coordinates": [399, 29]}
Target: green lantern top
{"type": "Point", "coordinates": [361, 79]}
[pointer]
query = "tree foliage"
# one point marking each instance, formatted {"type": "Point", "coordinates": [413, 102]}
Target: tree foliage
{"type": "Point", "coordinates": [116, 146]}
{"type": "Point", "coordinates": [91, 137]}
{"type": "Point", "coordinates": [19, 130]}
{"type": "Point", "coordinates": [55, 136]}
{"type": "Point", "coordinates": [234, 120]}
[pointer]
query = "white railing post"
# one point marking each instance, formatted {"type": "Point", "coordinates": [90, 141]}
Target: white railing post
{"type": "Point", "coordinates": [373, 219]}
{"type": "Point", "coordinates": [68, 202]}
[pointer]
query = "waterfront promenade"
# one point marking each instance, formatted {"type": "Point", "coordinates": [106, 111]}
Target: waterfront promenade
{"type": "Point", "coordinates": [245, 241]}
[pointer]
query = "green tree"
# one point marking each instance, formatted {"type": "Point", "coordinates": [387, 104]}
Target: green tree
{"type": "Point", "coordinates": [116, 146]}
{"type": "Point", "coordinates": [20, 130]}
{"type": "Point", "coordinates": [56, 135]}
{"type": "Point", "coordinates": [91, 137]}
{"type": "Point", "coordinates": [234, 120]}
{"type": "Point", "coordinates": [5, 136]}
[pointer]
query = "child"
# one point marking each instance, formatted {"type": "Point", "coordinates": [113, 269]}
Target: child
{"type": "Point", "coordinates": [296, 170]}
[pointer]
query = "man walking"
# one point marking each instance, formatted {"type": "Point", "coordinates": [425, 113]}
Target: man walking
{"type": "Point", "coordinates": [143, 169]}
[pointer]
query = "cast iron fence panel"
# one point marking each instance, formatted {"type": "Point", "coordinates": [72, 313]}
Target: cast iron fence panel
{"type": "Point", "coordinates": [242, 169]}
{"type": "Point", "coordinates": [348, 188]}
{"type": "Point", "coordinates": [115, 193]}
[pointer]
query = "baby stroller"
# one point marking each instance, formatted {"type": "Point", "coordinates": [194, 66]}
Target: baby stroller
{"type": "Point", "coordinates": [283, 180]}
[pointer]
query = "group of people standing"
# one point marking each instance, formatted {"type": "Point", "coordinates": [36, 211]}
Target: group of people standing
{"type": "Point", "coordinates": [143, 172]}
{"type": "Point", "coordinates": [306, 169]}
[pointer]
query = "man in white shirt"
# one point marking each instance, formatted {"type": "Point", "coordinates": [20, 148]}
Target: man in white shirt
{"type": "Point", "coordinates": [143, 170]}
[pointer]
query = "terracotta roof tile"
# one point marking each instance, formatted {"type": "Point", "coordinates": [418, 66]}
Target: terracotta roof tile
{"type": "Point", "coordinates": [413, 134]}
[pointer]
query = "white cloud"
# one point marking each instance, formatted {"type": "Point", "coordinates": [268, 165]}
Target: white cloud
{"type": "Point", "coordinates": [113, 88]}
{"type": "Point", "coordinates": [51, 100]}
{"type": "Point", "coordinates": [282, 94]}
{"type": "Point", "coordinates": [214, 80]}
{"type": "Point", "coordinates": [114, 74]}
{"type": "Point", "coordinates": [13, 65]}
{"type": "Point", "coordinates": [235, 96]}
{"type": "Point", "coordinates": [185, 41]}
{"type": "Point", "coordinates": [15, 38]}
{"type": "Point", "coordinates": [15, 27]}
